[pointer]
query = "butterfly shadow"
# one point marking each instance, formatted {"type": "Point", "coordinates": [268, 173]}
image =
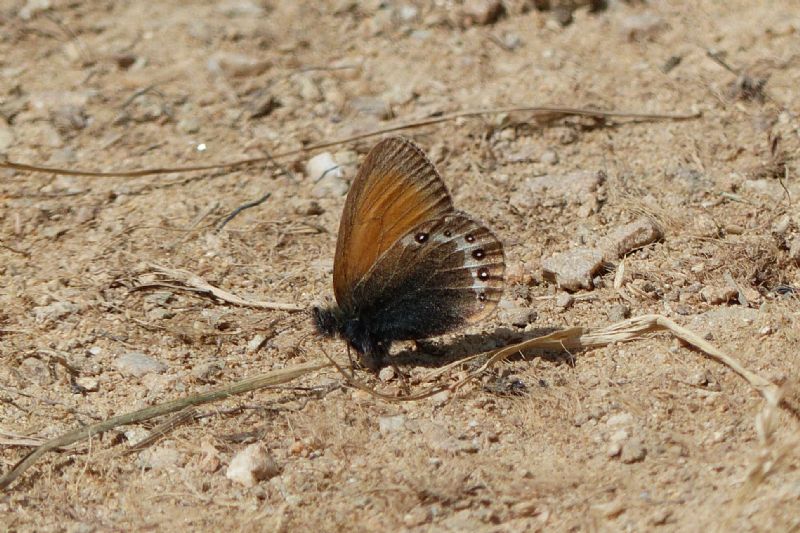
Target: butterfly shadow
{"type": "Point", "coordinates": [434, 353]}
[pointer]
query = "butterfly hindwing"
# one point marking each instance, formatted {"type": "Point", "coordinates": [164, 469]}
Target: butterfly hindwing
{"type": "Point", "coordinates": [396, 189]}
{"type": "Point", "coordinates": [441, 275]}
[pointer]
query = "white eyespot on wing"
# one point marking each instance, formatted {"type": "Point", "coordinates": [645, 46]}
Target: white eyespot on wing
{"type": "Point", "coordinates": [408, 240]}
{"type": "Point", "coordinates": [440, 236]}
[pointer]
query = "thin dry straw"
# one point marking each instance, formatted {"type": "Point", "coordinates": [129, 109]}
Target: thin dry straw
{"type": "Point", "coordinates": [627, 330]}
{"type": "Point", "coordinates": [198, 284]}
{"type": "Point", "coordinates": [276, 377]}
{"type": "Point", "coordinates": [632, 329]}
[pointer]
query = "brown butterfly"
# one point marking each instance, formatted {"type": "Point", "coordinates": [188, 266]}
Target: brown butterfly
{"type": "Point", "coordinates": [408, 265]}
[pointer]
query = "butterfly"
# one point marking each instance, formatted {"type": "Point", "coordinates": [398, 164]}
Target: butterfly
{"type": "Point", "coordinates": [408, 266]}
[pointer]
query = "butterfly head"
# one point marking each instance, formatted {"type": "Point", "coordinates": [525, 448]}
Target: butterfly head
{"type": "Point", "coordinates": [333, 322]}
{"type": "Point", "coordinates": [327, 320]}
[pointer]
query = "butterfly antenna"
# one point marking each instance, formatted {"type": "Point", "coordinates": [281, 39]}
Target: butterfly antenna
{"type": "Point", "coordinates": [350, 378]}
{"type": "Point", "coordinates": [356, 384]}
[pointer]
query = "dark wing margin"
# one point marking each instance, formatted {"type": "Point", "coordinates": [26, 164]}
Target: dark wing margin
{"type": "Point", "coordinates": [454, 277]}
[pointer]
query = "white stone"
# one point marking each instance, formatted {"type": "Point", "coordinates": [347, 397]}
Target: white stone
{"type": "Point", "coordinates": [390, 424]}
{"type": "Point", "coordinates": [251, 465]}
{"type": "Point", "coordinates": [137, 364]}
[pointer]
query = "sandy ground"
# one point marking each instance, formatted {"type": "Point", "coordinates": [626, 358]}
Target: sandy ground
{"type": "Point", "coordinates": [633, 436]}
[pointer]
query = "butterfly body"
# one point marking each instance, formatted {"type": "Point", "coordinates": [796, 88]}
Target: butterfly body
{"type": "Point", "coordinates": [408, 266]}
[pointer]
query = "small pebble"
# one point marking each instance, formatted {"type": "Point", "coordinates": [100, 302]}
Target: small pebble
{"type": "Point", "coordinates": [718, 295]}
{"type": "Point", "coordinates": [206, 371]}
{"type": "Point", "coordinates": [511, 41]}
{"type": "Point", "coordinates": [642, 26]}
{"type": "Point", "coordinates": [574, 188]}
{"type": "Point", "coordinates": [440, 398]}
{"type": "Point", "coordinates": [619, 312]}
{"type": "Point", "coordinates": [32, 7]}
{"type": "Point", "coordinates": [240, 8]}
{"type": "Point", "coordinates": [661, 517]}
{"type": "Point", "coordinates": [391, 424]}
{"type": "Point", "coordinates": [308, 89]}
{"type": "Point", "coordinates": [782, 225]}
{"type": "Point", "coordinates": [574, 269]}
{"type": "Point", "coordinates": [135, 435]}
{"type": "Point", "coordinates": [54, 311]}
{"type": "Point", "coordinates": [6, 136]}
{"type": "Point", "coordinates": [236, 65]}
{"type": "Point", "coordinates": [160, 313]}
{"type": "Point", "coordinates": [254, 344]}
{"type": "Point", "coordinates": [376, 107]}
{"type": "Point", "coordinates": [189, 125]}
{"type": "Point", "coordinates": [633, 451]}
{"type": "Point", "coordinates": [251, 465]}
{"type": "Point", "coordinates": [416, 517]}
{"type": "Point", "coordinates": [387, 373]}
{"type": "Point", "coordinates": [407, 12]}
{"type": "Point", "coordinates": [620, 436]}
{"type": "Point", "coordinates": [327, 175]}
{"type": "Point", "coordinates": [482, 12]}
{"type": "Point", "coordinates": [610, 509]}
{"type": "Point", "coordinates": [438, 439]}
{"type": "Point", "coordinates": [137, 364]}
{"type": "Point", "coordinates": [619, 419]}
{"type": "Point", "coordinates": [794, 250]}
{"type": "Point", "coordinates": [36, 370]}
{"type": "Point", "coordinates": [629, 237]}
{"type": "Point", "coordinates": [88, 384]}
{"type": "Point", "coordinates": [699, 379]}
{"type": "Point", "coordinates": [549, 157]}
{"type": "Point", "coordinates": [210, 461]}
{"type": "Point", "coordinates": [519, 316]}
{"type": "Point", "coordinates": [307, 207]}
{"type": "Point", "coordinates": [159, 458]}
{"type": "Point", "coordinates": [614, 449]}
{"type": "Point", "coordinates": [526, 508]}
{"type": "Point", "coordinates": [564, 300]}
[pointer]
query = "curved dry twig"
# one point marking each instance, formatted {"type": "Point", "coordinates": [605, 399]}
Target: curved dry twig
{"type": "Point", "coordinates": [537, 110]}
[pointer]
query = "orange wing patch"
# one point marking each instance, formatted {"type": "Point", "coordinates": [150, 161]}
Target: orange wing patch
{"type": "Point", "coordinates": [396, 189]}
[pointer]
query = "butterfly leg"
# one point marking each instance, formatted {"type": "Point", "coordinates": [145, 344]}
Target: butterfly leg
{"type": "Point", "coordinates": [402, 376]}
{"type": "Point", "coordinates": [374, 356]}
{"type": "Point", "coordinates": [352, 363]}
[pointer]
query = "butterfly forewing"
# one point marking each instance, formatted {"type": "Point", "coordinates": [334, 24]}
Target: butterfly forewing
{"type": "Point", "coordinates": [441, 275]}
{"type": "Point", "coordinates": [396, 189]}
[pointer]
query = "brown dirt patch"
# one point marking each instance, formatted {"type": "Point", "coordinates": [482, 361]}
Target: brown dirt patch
{"type": "Point", "coordinates": [120, 85]}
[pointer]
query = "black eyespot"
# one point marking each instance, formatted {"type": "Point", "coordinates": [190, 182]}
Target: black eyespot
{"type": "Point", "coordinates": [469, 237]}
{"type": "Point", "coordinates": [482, 297]}
{"type": "Point", "coordinates": [478, 253]}
{"type": "Point", "coordinates": [483, 273]}
{"type": "Point", "coordinates": [448, 233]}
{"type": "Point", "coordinates": [421, 237]}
